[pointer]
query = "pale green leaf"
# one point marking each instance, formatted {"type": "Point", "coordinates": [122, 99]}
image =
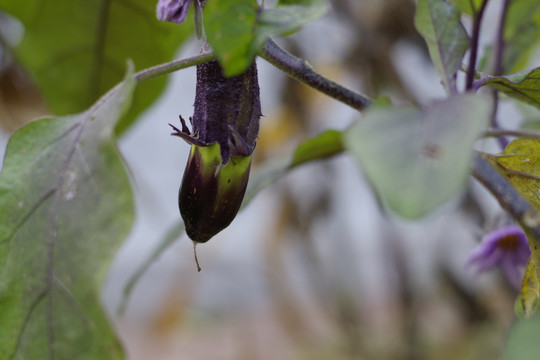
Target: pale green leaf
{"type": "Point", "coordinates": [66, 206]}
{"type": "Point", "coordinates": [77, 50]}
{"type": "Point", "coordinates": [439, 24]}
{"type": "Point", "coordinates": [416, 160]}
{"type": "Point", "coordinates": [287, 18]}
{"type": "Point", "coordinates": [522, 343]}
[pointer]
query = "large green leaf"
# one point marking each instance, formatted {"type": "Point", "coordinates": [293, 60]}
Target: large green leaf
{"type": "Point", "coordinates": [524, 86]}
{"type": "Point", "coordinates": [416, 160]}
{"type": "Point", "coordinates": [439, 24]}
{"type": "Point", "coordinates": [66, 206]}
{"type": "Point", "coordinates": [76, 50]}
{"type": "Point", "coordinates": [236, 29]}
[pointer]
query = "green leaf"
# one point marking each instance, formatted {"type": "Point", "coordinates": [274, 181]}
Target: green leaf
{"type": "Point", "coordinates": [76, 51]}
{"type": "Point", "coordinates": [326, 144]}
{"type": "Point", "coordinates": [439, 24]}
{"type": "Point", "coordinates": [522, 343]}
{"type": "Point", "coordinates": [66, 206]}
{"type": "Point", "coordinates": [322, 146]}
{"type": "Point", "coordinates": [523, 86]}
{"type": "Point", "coordinates": [521, 32]}
{"type": "Point", "coordinates": [229, 29]}
{"type": "Point", "coordinates": [469, 7]}
{"type": "Point", "coordinates": [237, 29]}
{"type": "Point", "coordinates": [416, 160]}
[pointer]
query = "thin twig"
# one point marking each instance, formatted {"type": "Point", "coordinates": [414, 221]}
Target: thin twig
{"type": "Point", "coordinates": [508, 197]}
{"type": "Point", "coordinates": [499, 45]}
{"type": "Point", "coordinates": [167, 68]}
{"type": "Point", "coordinates": [300, 70]}
{"type": "Point", "coordinates": [171, 236]}
{"type": "Point", "coordinates": [498, 52]}
{"type": "Point", "coordinates": [514, 133]}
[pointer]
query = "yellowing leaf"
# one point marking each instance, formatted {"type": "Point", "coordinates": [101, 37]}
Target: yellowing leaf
{"type": "Point", "coordinates": [520, 164]}
{"type": "Point", "coordinates": [530, 289]}
{"type": "Point", "coordinates": [76, 50]}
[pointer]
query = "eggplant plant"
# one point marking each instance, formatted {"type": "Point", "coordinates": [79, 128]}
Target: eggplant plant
{"type": "Point", "coordinates": [66, 201]}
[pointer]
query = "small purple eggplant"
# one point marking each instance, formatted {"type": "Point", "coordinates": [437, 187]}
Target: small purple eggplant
{"type": "Point", "coordinates": [225, 125]}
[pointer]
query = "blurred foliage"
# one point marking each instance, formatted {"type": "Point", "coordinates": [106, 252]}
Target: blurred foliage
{"type": "Point", "coordinates": [521, 34]}
{"type": "Point", "coordinates": [523, 340]}
{"type": "Point", "coordinates": [97, 38]}
{"type": "Point", "coordinates": [440, 24]}
{"type": "Point", "coordinates": [467, 6]}
{"type": "Point", "coordinates": [236, 29]}
{"type": "Point", "coordinates": [409, 155]}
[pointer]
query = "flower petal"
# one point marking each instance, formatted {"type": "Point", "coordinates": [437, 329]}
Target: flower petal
{"type": "Point", "coordinates": [513, 273]}
{"type": "Point", "coordinates": [489, 261]}
{"type": "Point", "coordinates": [172, 10]}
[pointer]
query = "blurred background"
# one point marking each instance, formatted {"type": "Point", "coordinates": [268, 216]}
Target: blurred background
{"type": "Point", "coordinates": [312, 268]}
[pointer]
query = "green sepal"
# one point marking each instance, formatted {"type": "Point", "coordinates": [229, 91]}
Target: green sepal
{"type": "Point", "coordinates": [211, 192]}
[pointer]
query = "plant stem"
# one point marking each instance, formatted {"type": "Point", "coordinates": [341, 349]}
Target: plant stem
{"type": "Point", "coordinates": [477, 21]}
{"type": "Point", "coordinates": [498, 68]}
{"type": "Point", "coordinates": [297, 68]}
{"type": "Point", "coordinates": [300, 70]}
{"type": "Point", "coordinates": [167, 68]}
{"type": "Point", "coordinates": [499, 41]}
{"type": "Point", "coordinates": [171, 236]}
{"type": "Point", "coordinates": [508, 197]}
{"type": "Point", "coordinates": [515, 133]}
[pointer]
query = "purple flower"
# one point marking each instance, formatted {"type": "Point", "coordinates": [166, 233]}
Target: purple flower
{"type": "Point", "coordinates": [507, 247]}
{"type": "Point", "coordinates": [176, 11]}
{"type": "Point", "coordinates": [173, 10]}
